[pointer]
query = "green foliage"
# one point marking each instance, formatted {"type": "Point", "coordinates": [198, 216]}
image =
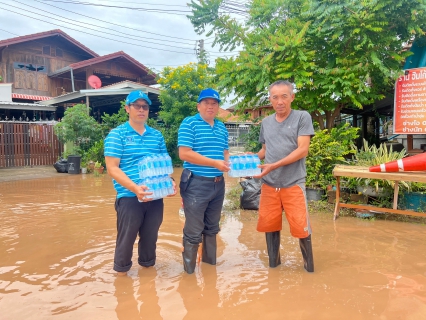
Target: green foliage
{"type": "Point", "coordinates": [369, 156]}
{"type": "Point", "coordinates": [251, 139]}
{"type": "Point", "coordinates": [339, 53]}
{"type": "Point", "coordinates": [112, 121]}
{"type": "Point", "coordinates": [78, 127]}
{"type": "Point", "coordinates": [328, 148]}
{"type": "Point", "coordinates": [180, 89]}
{"type": "Point", "coordinates": [95, 153]}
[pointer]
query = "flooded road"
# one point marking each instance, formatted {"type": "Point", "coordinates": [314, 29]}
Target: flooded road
{"type": "Point", "coordinates": [57, 238]}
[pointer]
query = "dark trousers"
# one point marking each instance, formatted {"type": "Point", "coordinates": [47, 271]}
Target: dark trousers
{"type": "Point", "coordinates": [133, 218]}
{"type": "Point", "coordinates": [202, 203]}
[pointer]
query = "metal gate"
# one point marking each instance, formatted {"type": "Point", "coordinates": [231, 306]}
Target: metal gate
{"type": "Point", "coordinates": [28, 144]}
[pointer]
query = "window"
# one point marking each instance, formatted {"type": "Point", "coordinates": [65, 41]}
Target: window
{"type": "Point", "coordinates": [29, 67]}
{"type": "Point", "coordinates": [46, 50]}
{"type": "Point", "coordinates": [59, 52]}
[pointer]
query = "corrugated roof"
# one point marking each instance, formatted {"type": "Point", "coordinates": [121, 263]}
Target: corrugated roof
{"type": "Point", "coordinates": [29, 97]}
{"type": "Point", "coordinates": [40, 35]}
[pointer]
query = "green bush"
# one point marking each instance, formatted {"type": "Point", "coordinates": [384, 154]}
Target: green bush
{"type": "Point", "coordinates": [328, 148]}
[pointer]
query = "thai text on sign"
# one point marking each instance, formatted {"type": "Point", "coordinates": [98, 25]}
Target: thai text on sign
{"type": "Point", "coordinates": [410, 102]}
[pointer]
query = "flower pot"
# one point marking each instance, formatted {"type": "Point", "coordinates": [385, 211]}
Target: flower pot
{"type": "Point", "coordinates": [371, 191]}
{"type": "Point", "coordinates": [99, 170]}
{"type": "Point", "coordinates": [84, 170]}
{"type": "Point", "coordinates": [314, 194]}
{"type": "Point", "coordinates": [413, 201]}
{"type": "Point", "coordinates": [331, 196]}
{"type": "Point", "coordinates": [360, 198]}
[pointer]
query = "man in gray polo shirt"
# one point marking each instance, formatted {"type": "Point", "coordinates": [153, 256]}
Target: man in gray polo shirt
{"type": "Point", "coordinates": [203, 146]}
{"type": "Point", "coordinates": [285, 137]}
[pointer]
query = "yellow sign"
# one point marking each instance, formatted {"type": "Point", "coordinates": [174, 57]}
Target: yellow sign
{"type": "Point", "coordinates": [410, 103]}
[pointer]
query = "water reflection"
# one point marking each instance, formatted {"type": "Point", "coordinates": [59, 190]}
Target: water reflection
{"type": "Point", "coordinates": [57, 239]}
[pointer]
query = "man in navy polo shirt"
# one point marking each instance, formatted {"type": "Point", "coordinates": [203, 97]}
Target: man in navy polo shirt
{"type": "Point", "coordinates": [124, 147]}
{"type": "Point", "coordinates": [203, 146]}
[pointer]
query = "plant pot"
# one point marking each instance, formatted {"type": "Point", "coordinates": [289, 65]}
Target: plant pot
{"type": "Point", "coordinates": [314, 194]}
{"type": "Point", "coordinates": [99, 170]}
{"type": "Point", "coordinates": [360, 198]}
{"type": "Point", "coordinates": [331, 196]}
{"type": "Point", "coordinates": [413, 201]}
{"type": "Point", "coordinates": [84, 170]}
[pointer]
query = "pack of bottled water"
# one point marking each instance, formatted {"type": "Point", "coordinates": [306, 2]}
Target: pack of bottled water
{"type": "Point", "coordinates": [161, 186]}
{"type": "Point", "coordinates": [244, 165]}
{"type": "Point", "coordinates": [155, 165]}
{"type": "Point", "coordinates": [154, 170]}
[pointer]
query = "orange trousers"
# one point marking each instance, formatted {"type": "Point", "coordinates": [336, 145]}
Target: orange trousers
{"type": "Point", "coordinates": [293, 201]}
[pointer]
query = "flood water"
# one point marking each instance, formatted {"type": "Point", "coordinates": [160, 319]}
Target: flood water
{"type": "Point", "coordinates": [57, 238]}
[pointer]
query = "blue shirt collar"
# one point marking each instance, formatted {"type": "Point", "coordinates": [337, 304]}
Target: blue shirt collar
{"type": "Point", "coordinates": [198, 117]}
{"type": "Point", "coordinates": [148, 129]}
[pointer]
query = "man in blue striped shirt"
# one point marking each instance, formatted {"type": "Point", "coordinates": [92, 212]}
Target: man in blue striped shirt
{"type": "Point", "coordinates": [125, 146]}
{"type": "Point", "coordinates": [203, 146]}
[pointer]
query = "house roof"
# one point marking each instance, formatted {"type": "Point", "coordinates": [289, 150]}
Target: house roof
{"type": "Point", "coordinates": [115, 55]}
{"type": "Point", "coordinates": [25, 106]}
{"type": "Point", "coordinates": [227, 116]}
{"type": "Point", "coordinates": [29, 97]}
{"type": "Point", "coordinates": [40, 35]}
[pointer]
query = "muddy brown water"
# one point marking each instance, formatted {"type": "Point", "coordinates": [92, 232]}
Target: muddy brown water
{"type": "Point", "coordinates": [57, 238]}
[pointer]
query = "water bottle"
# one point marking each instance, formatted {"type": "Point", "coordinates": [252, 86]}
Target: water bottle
{"type": "Point", "coordinates": [162, 161]}
{"type": "Point", "coordinates": [149, 166]}
{"type": "Point", "coordinates": [256, 161]}
{"type": "Point", "coordinates": [232, 165]}
{"type": "Point", "coordinates": [169, 164]}
{"type": "Point", "coordinates": [163, 186]}
{"type": "Point", "coordinates": [148, 184]}
{"type": "Point", "coordinates": [169, 186]}
{"type": "Point", "coordinates": [243, 166]}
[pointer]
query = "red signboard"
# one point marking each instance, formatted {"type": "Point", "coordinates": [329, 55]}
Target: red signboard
{"type": "Point", "coordinates": [410, 103]}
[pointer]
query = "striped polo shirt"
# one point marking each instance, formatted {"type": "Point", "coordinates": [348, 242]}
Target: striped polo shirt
{"type": "Point", "coordinates": [201, 137]}
{"type": "Point", "coordinates": [125, 143]}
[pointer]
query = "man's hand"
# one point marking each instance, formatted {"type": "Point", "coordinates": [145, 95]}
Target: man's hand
{"type": "Point", "coordinates": [222, 165]}
{"type": "Point", "coordinates": [266, 168]}
{"type": "Point", "coordinates": [141, 193]}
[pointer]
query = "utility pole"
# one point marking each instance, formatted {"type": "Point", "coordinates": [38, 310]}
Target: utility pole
{"type": "Point", "coordinates": [201, 53]}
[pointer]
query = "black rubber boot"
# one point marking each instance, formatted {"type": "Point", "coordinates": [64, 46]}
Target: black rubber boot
{"type": "Point", "coordinates": [308, 257]}
{"type": "Point", "coordinates": [273, 245]}
{"type": "Point", "coordinates": [189, 256]}
{"type": "Point", "coordinates": [209, 249]}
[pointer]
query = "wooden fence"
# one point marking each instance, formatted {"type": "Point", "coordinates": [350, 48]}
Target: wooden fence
{"type": "Point", "coordinates": [28, 144]}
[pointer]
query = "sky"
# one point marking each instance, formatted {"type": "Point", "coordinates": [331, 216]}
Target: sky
{"type": "Point", "coordinates": [157, 33]}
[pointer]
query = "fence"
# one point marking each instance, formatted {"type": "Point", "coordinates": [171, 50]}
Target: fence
{"type": "Point", "coordinates": [235, 133]}
{"type": "Point", "coordinates": [28, 144]}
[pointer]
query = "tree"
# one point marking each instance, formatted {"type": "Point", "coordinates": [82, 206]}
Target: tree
{"type": "Point", "coordinates": [339, 53]}
{"type": "Point", "coordinates": [78, 127]}
{"type": "Point", "coordinates": [180, 89]}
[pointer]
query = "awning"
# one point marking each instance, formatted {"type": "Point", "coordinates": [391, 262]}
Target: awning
{"type": "Point", "coordinates": [29, 97]}
{"type": "Point", "coordinates": [25, 106]}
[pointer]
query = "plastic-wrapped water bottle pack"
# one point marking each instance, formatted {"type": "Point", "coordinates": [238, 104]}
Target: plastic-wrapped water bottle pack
{"type": "Point", "coordinates": [244, 165]}
{"type": "Point", "coordinates": [153, 172]}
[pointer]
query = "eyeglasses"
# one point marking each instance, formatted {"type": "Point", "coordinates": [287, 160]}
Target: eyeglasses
{"type": "Point", "coordinates": [139, 106]}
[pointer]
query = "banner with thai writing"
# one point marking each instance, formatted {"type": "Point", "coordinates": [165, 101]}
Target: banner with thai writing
{"type": "Point", "coordinates": [410, 103]}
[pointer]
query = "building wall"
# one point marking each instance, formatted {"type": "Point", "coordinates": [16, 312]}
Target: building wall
{"type": "Point", "coordinates": [27, 65]}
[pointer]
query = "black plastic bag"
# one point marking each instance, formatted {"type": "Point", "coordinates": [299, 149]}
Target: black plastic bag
{"type": "Point", "coordinates": [61, 166]}
{"type": "Point", "coordinates": [250, 196]}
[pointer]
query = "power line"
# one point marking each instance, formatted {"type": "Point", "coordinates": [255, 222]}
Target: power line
{"type": "Point", "coordinates": [80, 14]}
{"type": "Point", "coordinates": [99, 36]}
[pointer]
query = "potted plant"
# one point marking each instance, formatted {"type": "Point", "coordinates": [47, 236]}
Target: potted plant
{"type": "Point", "coordinates": [83, 167]}
{"type": "Point", "coordinates": [369, 156]}
{"type": "Point", "coordinates": [327, 148]}
{"type": "Point", "coordinates": [98, 167]}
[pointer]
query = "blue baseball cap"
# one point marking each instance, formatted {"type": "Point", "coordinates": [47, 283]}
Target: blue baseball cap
{"type": "Point", "coordinates": [136, 95]}
{"type": "Point", "coordinates": [209, 93]}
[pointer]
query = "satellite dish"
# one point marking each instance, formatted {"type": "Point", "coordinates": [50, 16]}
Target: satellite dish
{"type": "Point", "coordinates": [94, 82]}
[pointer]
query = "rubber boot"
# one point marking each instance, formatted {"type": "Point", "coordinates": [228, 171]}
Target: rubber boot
{"type": "Point", "coordinates": [308, 257]}
{"type": "Point", "coordinates": [209, 249]}
{"type": "Point", "coordinates": [189, 255]}
{"type": "Point", "coordinates": [273, 245]}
